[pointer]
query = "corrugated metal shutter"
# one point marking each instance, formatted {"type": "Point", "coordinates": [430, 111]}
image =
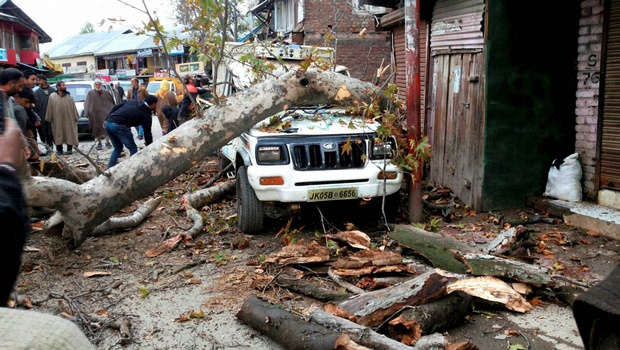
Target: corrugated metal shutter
{"type": "Point", "coordinates": [610, 139]}
{"type": "Point", "coordinates": [457, 26]}
{"type": "Point", "coordinates": [399, 52]}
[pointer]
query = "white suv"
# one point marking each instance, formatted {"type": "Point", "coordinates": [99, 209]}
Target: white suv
{"type": "Point", "coordinates": [309, 154]}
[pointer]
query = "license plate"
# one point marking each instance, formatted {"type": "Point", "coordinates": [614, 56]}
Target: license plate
{"type": "Point", "coordinates": [332, 194]}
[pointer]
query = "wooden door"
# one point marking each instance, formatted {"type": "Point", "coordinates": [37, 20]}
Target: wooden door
{"type": "Point", "coordinates": [456, 127]}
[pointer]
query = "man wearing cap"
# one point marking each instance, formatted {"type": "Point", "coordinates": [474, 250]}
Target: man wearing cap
{"type": "Point", "coordinates": [120, 120]}
{"type": "Point", "coordinates": [98, 103]}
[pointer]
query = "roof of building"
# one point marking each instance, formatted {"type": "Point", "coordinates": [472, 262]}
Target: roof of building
{"type": "Point", "coordinates": [10, 12]}
{"type": "Point", "coordinates": [84, 44]}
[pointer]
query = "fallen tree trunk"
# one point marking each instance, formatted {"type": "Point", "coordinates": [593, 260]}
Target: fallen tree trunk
{"type": "Point", "coordinates": [436, 316]}
{"type": "Point", "coordinates": [437, 249]}
{"type": "Point", "coordinates": [489, 265]}
{"type": "Point", "coordinates": [84, 207]}
{"type": "Point", "coordinates": [370, 309]}
{"type": "Point", "coordinates": [289, 330]}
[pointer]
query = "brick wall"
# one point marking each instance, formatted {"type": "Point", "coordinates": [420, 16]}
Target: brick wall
{"type": "Point", "coordinates": [587, 108]}
{"type": "Point", "coordinates": [362, 54]}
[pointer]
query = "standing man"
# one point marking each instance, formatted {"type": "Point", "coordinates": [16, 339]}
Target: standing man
{"type": "Point", "coordinates": [121, 91]}
{"type": "Point", "coordinates": [63, 115]}
{"type": "Point", "coordinates": [115, 94]}
{"type": "Point", "coordinates": [122, 117]}
{"type": "Point", "coordinates": [137, 92]}
{"type": "Point", "coordinates": [42, 94]}
{"type": "Point", "coordinates": [98, 103]}
{"type": "Point", "coordinates": [34, 121]}
{"type": "Point", "coordinates": [11, 82]}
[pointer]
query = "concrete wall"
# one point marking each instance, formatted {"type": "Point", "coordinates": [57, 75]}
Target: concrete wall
{"type": "Point", "coordinates": [588, 75]}
{"type": "Point", "coordinates": [362, 54]}
{"type": "Point", "coordinates": [90, 60]}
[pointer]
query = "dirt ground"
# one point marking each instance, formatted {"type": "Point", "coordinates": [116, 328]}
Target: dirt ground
{"type": "Point", "coordinates": [186, 298]}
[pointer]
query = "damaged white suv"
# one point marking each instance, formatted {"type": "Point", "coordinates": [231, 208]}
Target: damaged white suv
{"type": "Point", "coordinates": [309, 154]}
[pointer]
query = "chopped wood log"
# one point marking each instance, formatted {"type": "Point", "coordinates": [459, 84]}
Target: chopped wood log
{"type": "Point", "coordinates": [505, 241]}
{"type": "Point", "coordinates": [368, 262]}
{"type": "Point", "coordinates": [356, 239]}
{"type": "Point", "coordinates": [437, 249]}
{"type": "Point", "coordinates": [489, 265]}
{"type": "Point", "coordinates": [436, 316]}
{"type": "Point", "coordinates": [289, 330]}
{"type": "Point", "coordinates": [287, 279]}
{"type": "Point", "coordinates": [130, 221]}
{"type": "Point", "coordinates": [301, 253]}
{"type": "Point", "coordinates": [360, 334]}
{"type": "Point", "coordinates": [492, 289]}
{"type": "Point", "coordinates": [372, 308]}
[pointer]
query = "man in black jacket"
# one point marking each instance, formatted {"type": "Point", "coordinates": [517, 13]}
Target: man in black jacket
{"type": "Point", "coordinates": [120, 120]}
{"type": "Point", "coordinates": [13, 212]}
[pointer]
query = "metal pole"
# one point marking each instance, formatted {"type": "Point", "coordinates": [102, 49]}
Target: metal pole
{"type": "Point", "coordinates": [412, 69]}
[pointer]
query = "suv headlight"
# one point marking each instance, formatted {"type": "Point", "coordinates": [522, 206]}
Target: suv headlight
{"type": "Point", "coordinates": [270, 154]}
{"type": "Point", "coordinates": [383, 148]}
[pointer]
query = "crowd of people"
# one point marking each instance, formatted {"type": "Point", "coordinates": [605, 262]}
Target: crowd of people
{"type": "Point", "coordinates": [51, 114]}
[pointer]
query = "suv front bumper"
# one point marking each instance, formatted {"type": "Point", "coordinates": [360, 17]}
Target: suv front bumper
{"type": "Point", "coordinates": [298, 184]}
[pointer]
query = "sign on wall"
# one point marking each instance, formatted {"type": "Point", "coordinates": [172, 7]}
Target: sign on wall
{"type": "Point", "coordinates": [190, 68]}
{"type": "Point", "coordinates": [4, 56]}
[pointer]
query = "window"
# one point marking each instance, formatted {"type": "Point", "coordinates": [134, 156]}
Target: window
{"type": "Point", "coordinates": [359, 7]}
{"type": "Point", "coordinates": [287, 13]}
{"type": "Point", "coordinates": [66, 64]}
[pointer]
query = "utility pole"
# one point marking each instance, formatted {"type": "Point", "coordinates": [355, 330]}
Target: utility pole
{"type": "Point", "coordinates": [412, 69]}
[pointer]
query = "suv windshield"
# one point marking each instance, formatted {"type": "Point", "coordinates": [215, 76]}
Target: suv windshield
{"type": "Point", "coordinates": [78, 91]}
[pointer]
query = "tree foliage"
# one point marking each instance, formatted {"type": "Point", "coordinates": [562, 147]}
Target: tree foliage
{"type": "Point", "coordinates": [87, 28]}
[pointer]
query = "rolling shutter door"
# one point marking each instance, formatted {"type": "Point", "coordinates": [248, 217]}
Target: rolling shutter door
{"type": "Point", "coordinates": [610, 137]}
{"type": "Point", "coordinates": [401, 76]}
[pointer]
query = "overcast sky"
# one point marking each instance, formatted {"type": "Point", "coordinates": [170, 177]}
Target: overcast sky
{"type": "Point", "coordinates": [64, 18]}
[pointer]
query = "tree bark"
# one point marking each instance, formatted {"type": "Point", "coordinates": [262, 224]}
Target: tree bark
{"type": "Point", "coordinates": [286, 279]}
{"type": "Point", "coordinates": [489, 265]}
{"type": "Point", "coordinates": [84, 207]}
{"type": "Point", "coordinates": [370, 309]}
{"type": "Point", "coordinates": [201, 198]}
{"type": "Point", "coordinates": [360, 334]}
{"type": "Point", "coordinates": [437, 249]}
{"type": "Point", "coordinates": [128, 221]}
{"type": "Point", "coordinates": [289, 330]}
{"type": "Point", "coordinates": [436, 316]}
{"type": "Point", "coordinates": [505, 240]}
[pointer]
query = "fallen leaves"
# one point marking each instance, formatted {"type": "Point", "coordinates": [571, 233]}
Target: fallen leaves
{"type": "Point", "coordinates": [191, 314]}
{"type": "Point", "coordinates": [144, 292]}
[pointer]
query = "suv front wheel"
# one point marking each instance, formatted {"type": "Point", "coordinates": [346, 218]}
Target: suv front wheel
{"type": "Point", "coordinates": [250, 211]}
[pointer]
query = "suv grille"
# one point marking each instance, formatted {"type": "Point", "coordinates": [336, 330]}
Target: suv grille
{"type": "Point", "coordinates": [327, 154]}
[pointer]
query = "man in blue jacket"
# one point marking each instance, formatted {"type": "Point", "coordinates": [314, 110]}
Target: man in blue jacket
{"type": "Point", "coordinates": [120, 120]}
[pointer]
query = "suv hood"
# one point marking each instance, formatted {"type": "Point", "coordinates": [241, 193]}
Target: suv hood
{"type": "Point", "coordinates": [323, 122]}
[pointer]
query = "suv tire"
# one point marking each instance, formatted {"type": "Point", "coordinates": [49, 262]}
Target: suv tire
{"type": "Point", "coordinates": [250, 211]}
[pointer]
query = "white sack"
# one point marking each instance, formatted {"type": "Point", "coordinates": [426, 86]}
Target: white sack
{"type": "Point", "coordinates": [565, 183]}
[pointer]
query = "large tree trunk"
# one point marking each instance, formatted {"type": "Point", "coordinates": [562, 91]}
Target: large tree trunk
{"type": "Point", "coordinates": [84, 207]}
